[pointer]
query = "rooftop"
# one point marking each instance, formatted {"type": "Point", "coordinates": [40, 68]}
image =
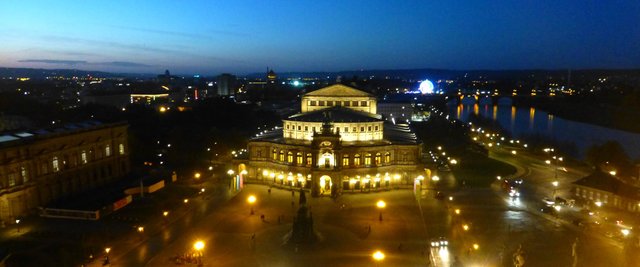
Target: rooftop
{"type": "Point", "coordinates": [608, 183]}
{"type": "Point", "coordinates": [19, 137]}
{"type": "Point", "coordinates": [335, 114]}
{"type": "Point", "coordinates": [338, 90]}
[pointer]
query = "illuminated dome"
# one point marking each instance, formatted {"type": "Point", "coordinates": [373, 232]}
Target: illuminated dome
{"type": "Point", "coordinates": [426, 87]}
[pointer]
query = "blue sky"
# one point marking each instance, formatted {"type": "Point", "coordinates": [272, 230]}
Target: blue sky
{"type": "Point", "coordinates": [209, 37]}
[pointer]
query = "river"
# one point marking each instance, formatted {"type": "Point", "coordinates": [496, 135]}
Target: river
{"type": "Point", "coordinates": [529, 121]}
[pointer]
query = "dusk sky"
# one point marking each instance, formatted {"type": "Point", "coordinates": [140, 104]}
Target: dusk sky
{"type": "Point", "coordinates": [209, 37]}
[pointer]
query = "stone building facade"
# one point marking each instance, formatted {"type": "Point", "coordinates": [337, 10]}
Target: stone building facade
{"type": "Point", "coordinates": [332, 146]}
{"type": "Point", "coordinates": [38, 167]}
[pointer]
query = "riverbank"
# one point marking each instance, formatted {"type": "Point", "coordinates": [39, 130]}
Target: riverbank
{"type": "Point", "coordinates": [615, 113]}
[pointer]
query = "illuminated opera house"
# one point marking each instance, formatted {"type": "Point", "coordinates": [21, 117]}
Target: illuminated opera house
{"type": "Point", "coordinates": [336, 143]}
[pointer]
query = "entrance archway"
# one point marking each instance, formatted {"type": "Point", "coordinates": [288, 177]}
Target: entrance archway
{"type": "Point", "coordinates": [325, 184]}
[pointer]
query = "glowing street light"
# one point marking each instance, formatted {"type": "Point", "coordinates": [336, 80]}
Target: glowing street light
{"type": "Point", "coordinates": [381, 205]}
{"type": "Point", "coordinates": [457, 211]}
{"type": "Point", "coordinates": [476, 246]}
{"type": "Point", "coordinates": [435, 178]}
{"type": "Point", "coordinates": [230, 172]}
{"type": "Point", "coordinates": [165, 213]}
{"type": "Point", "coordinates": [196, 175]}
{"type": "Point", "coordinates": [465, 227]}
{"type": "Point", "coordinates": [199, 246]}
{"type": "Point", "coordinates": [186, 200]}
{"type": "Point", "coordinates": [625, 232]}
{"type": "Point", "coordinates": [251, 199]}
{"type": "Point", "coordinates": [598, 203]}
{"type": "Point", "coordinates": [378, 256]}
{"type": "Point", "coordinates": [140, 229]}
{"type": "Point", "coordinates": [18, 225]}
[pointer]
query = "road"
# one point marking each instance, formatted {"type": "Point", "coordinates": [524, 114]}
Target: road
{"type": "Point", "coordinates": [350, 228]}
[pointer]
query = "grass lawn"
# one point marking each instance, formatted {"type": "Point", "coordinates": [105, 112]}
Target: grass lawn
{"type": "Point", "coordinates": [478, 170]}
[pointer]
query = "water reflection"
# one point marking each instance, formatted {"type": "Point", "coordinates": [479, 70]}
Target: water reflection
{"type": "Point", "coordinates": [529, 121]}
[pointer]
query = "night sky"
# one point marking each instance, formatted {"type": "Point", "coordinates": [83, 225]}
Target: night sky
{"type": "Point", "coordinates": [209, 37]}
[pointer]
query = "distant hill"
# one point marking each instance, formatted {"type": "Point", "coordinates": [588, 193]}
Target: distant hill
{"type": "Point", "coordinates": [43, 73]}
{"type": "Point", "coordinates": [436, 74]}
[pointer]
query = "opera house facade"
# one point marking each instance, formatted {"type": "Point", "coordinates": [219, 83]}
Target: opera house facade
{"type": "Point", "coordinates": [337, 143]}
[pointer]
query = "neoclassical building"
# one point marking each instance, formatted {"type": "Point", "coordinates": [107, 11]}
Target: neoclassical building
{"type": "Point", "coordinates": [336, 143]}
{"type": "Point", "coordinates": [42, 166]}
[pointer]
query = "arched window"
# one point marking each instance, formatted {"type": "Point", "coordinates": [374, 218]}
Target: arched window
{"type": "Point", "coordinates": [107, 151]}
{"type": "Point", "coordinates": [281, 155]}
{"type": "Point", "coordinates": [345, 160]}
{"type": "Point", "coordinates": [378, 158]}
{"type": "Point", "coordinates": [387, 157]}
{"type": "Point", "coordinates": [289, 157]}
{"type": "Point", "coordinates": [121, 149]}
{"type": "Point", "coordinates": [367, 159]}
{"type": "Point", "coordinates": [309, 159]}
{"type": "Point", "coordinates": [356, 160]}
{"type": "Point", "coordinates": [275, 154]}
{"type": "Point", "coordinates": [299, 158]}
{"type": "Point", "coordinates": [56, 165]}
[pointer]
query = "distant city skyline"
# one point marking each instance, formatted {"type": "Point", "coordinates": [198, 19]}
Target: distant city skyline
{"type": "Point", "coordinates": [249, 36]}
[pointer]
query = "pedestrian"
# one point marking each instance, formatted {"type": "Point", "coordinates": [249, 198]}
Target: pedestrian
{"type": "Point", "coordinates": [253, 236]}
{"type": "Point", "coordinates": [262, 217]}
{"type": "Point", "coordinates": [269, 190]}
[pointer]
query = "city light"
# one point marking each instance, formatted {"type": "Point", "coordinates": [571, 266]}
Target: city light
{"type": "Point", "coordinates": [625, 232]}
{"type": "Point", "coordinates": [251, 199]}
{"type": "Point", "coordinates": [381, 204]}
{"type": "Point", "coordinates": [598, 203]}
{"type": "Point", "coordinates": [435, 178]}
{"type": "Point", "coordinates": [378, 255]}
{"type": "Point", "coordinates": [465, 227]}
{"type": "Point", "coordinates": [476, 246]}
{"type": "Point", "coordinates": [198, 245]}
{"type": "Point", "coordinates": [426, 87]}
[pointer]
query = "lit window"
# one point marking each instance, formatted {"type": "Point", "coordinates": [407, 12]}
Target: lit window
{"type": "Point", "coordinates": [12, 179]}
{"type": "Point", "coordinates": [309, 159]}
{"type": "Point", "coordinates": [281, 155]}
{"type": "Point", "coordinates": [24, 174]}
{"type": "Point", "coordinates": [121, 149]}
{"type": "Point", "coordinates": [367, 159]}
{"type": "Point", "coordinates": [345, 160]}
{"type": "Point", "coordinates": [378, 158]}
{"type": "Point", "coordinates": [275, 154]}
{"type": "Point", "coordinates": [363, 103]}
{"type": "Point", "coordinates": [356, 160]}
{"type": "Point", "coordinates": [83, 157]}
{"type": "Point", "coordinates": [299, 158]}
{"type": "Point", "coordinates": [56, 166]}
{"type": "Point", "coordinates": [289, 157]}
{"type": "Point", "coordinates": [387, 157]}
{"type": "Point", "coordinates": [107, 151]}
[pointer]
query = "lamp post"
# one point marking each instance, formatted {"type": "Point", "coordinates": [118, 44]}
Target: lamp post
{"type": "Point", "coordinates": [381, 204]}
{"type": "Point", "coordinates": [18, 225]}
{"type": "Point", "coordinates": [251, 199]}
{"type": "Point", "coordinates": [106, 256]}
{"type": "Point", "coordinates": [378, 256]}
{"type": "Point", "coordinates": [199, 246]}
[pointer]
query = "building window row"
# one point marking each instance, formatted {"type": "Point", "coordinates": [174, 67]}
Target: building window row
{"type": "Point", "coordinates": [299, 159]}
{"type": "Point", "coordinates": [377, 159]}
{"type": "Point", "coordinates": [331, 103]}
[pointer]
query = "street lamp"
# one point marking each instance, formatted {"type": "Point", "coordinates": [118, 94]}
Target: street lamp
{"type": "Point", "coordinates": [18, 225]}
{"type": "Point", "coordinates": [230, 172]}
{"type": "Point", "coordinates": [106, 256]}
{"type": "Point", "coordinates": [378, 256]}
{"type": "Point", "coordinates": [381, 204]}
{"type": "Point", "coordinates": [555, 186]}
{"type": "Point", "coordinates": [199, 246]}
{"type": "Point", "coordinates": [196, 175]}
{"type": "Point", "coordinates": [251, 199]}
